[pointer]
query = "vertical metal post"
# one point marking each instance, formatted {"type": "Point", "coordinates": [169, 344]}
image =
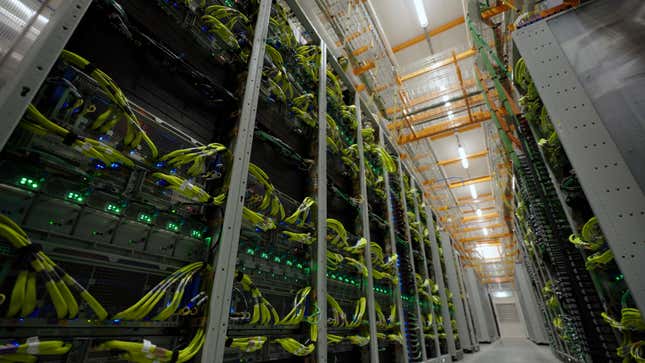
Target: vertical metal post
{"type": "Point", "coordinates": [408, 235]}
{"type": "Point", "coordinates": [365, 221]}
{"type": "Point", "coordinates": [468, 314]}
{"type": "Point", "coordinates": [320, 263]}
{"type": "Point", "coordinates": [225, 260]}
{"type": "Point", "coordinates": [438, 272]}
{"type": "Point", "coordinates": [390, 219]}
{"type": "Point", "coordinates": [426, 275]}
{"type": "Point", "coordinates": [29, 60]}
{"type": "Point", "coordinates": [453, 285]}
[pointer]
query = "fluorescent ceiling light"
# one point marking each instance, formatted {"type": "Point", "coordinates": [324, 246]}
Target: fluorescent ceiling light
{"type": "Point", "coordinates": [462, 156]}
{"type": "Point", "coordinates": [478, 212]}
{"type": "Point", "coordinates": [502, 293]}
{"type": "Point", "coordinates": [473, 191]}
{"type": "Point", "coordinates": [421, 13]}
{"type": "Point", "coordinates": [485, 229]}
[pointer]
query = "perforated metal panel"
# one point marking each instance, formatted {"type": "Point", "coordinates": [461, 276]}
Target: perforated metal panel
{"type": "Point", "coordinates": [611, 188]}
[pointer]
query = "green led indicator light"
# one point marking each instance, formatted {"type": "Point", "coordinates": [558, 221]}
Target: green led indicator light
{"type": "Point", "coordinates": [28, 182]}
{"type": "Point", "coordinates": [145, 218]}
{"type": "Point", "coordinates": [208, 240]}
{"type": "Point", "coordinates": [172, 226]}
{"type": "Point", "coordinates": [75, 197]}
{"type": "Point", "coordinates": [196, 233]}
{"type": "Point", "coordinates": [250, 251]}
{"type": "Point", "coordinates": [265, 255]}
{"type": "Point", "coordinates": [112, 208]}
{"type": "Point", "coordinates": [307, 270]}
{"type": "Point", "coordinates": [299, 266]}
{"type": "Point", "coordinates": [276, 259]}
{"type": "Point", "coordinates": [289, 263]}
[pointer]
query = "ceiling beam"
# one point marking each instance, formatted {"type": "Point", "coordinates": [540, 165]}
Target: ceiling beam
{"type": "Point", "coordinates": [440, 128]}
{"type": "Point", "coordinates": [491, 237]}
{"type": "Point", "coordinates": [480, 199]}
{"type": "Point", "coordinates": [476, 155]}
{"type": "Point", "coordinates": [465, 182]}
{"type": "Point", "coordinates": [482, 218]}
{"type": "Point", "coordinates": [438, 110]}
{"type": "Point", "coordinates": [498, 280]}
{"type": "Point", "coordinates": [433, 32]}
{"type": "Point", "coordinates": [473, 229]}
{"type": "Point", "coordinates": [432, 96]}
{"type": "Point", "coordinates": [482, 209]}
{"type": "Point", "coordinates": [442, 63]}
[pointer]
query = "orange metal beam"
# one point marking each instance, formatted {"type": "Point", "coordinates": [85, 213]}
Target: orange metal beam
{"type": "Point", "coordinates": [445, 126]}
{"type": "Point", "coordinates": [491, 237]}
{"type": "Point", "coordinates": [490, 12]}
{"type": "Point", "coordinates": [433, 32]}
{"type": "Point", "coordinates": [469, 199]}
{"type": "Point", "coordinates": [482, 218]}
{"type": "Point", "coordinates": [364, 68]}
{"type": "Point", "coordinates": [478, 200]}
{"type": "Point", "coordinates": [476, 155]}
{"type": "Point", "coordinates": [461, 129]}
{"type": "Point", "coordinates": [437, 112]}
{"type": "Point", "coordinates": [473, 229]}
{"type": "Point", "coordinates": [463, 183]}
{"type": "Point", "coordinates": [360, 50]}
{"type": "Point", "coordinates": [432, 96]}
{"type": "Point", "coordinates": [482, 209]}
{"type": "Point", "coordinates": [442, 63]}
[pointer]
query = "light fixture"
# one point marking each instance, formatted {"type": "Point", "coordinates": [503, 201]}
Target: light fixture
{"type": "Point", "coordinates": [473, 191]}
{"type": "Point", "coordinates": [462, 156]}
{"type": "Point", "coordinates": [421, 13]}
{"type": "Point", "coordinates": [485, 229]}
{"type": "Point", "coordinates": [478, 212]}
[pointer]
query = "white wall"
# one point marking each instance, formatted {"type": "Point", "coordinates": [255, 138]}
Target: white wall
{"type": "Point", "coordinates": [509, 316]}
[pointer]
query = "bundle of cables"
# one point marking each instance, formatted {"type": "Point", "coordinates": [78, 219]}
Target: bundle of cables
{"type": "Point", "coordinates": [34, 121]}
{"type": "Point", "coordinates": [360, 267]}
{"type": "Point", "coordinates": [334, 339]}
{"type": "Point", "coordinates": [358, 247]}
{"type": "Point", "coordinates": [263, 311]}
{"type": "Point", "coordinates": [301, 215]}
{"type": "Point", "coordinates": [270, 204]}
{"type": "Point", "coordinates": [31, 349]}
{"type": "Point", "coordinates": [167, 294]}
{"type": "Point", "coordinates": [294, 347]}
{"type": "Point", "coordinates": [35, 263]}
{"type": "Point", "coordinates": [121, 108]}
{"type": "Point", "coordinates": [297, 313]}
{"type": "Point", "coordinates": [338, 319]}
{"type": "Point", "coordinates": [308, 56]}
{"type": "Point", "coordinates": [279, 84]}
{"type": "Point", "coordinates": [246, 344]}
{"type": "Point", "coordinates": [197, 158]}
{"type": "Point", "coordinates": [304, 238]}
{"type": "Point", "coordinates": [359, 312]}
{"type": "Point", "coordinates": [358, 340]}
{"type": "Point", "coordinates": [338, 235]}
{"type": "Point", "coordinates": [381, 322]}
{"type": "Point", "coordinates": [302, 109]}
{"type": "Point", "coordinates": [146, 352]}
{"type": "Point", "coordinates": [599, 259]}
{"type": "Point", "coordinates": [333, 87]}
{"type": "Point", "coordinates": [391, 262]}
{"type": "Point", "coordinates": [591, 237]}
{"type": "Point", "coordinates": [380, 275]}
{"type": "Point", "coordinates": [220, 21]}
{"type": "Point", "coordinates": [334, 260]}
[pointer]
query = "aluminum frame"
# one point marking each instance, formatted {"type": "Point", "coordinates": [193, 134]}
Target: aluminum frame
{"type": "Point", "coordinates": [426, 275]}
{"type": "Point", "coordinates": [438, 273]}
{"type": "Point", "coordinates": [408, 236]}
{"type": "Point", "coordinates": [365, 222]}
{"type": "Point", "coordinates": [320, 262]}
{"type": "Point", "coordinates": [226, 258]}
{"type": "Point", "coordinates": [390, 218]}
{"type": "Point", "coordinates": [453, 285]}
{"type": "Point", "coordinates": [611, 189]}
{"type": "Point", "coordinates": [19, 90]}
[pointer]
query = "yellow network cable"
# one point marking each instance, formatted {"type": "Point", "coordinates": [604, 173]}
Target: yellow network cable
{"type": "Point", "coordinates": [362, 269]}
{"type": "Point", "coordinates": [338, 319]}
{"type": "Point", "coordinates": [178, 281]}
{"type": "Point", "coordinates": [134, 132]}
{"type": "Point", "coordinates": [598, 259]}
{"type": "Point", "coordinates": [301, 215]}
{"type": "Point", "coordinates": [358, 340]}
{"type": "Point", "coordinates": [294, 347]}
{"type": "Point", "coordinates": [297, 313]}
{"type": "Point", "coordinates": [146, 352]}
{"type": "Point", "coordinates": [340, 237]}
{"type": "Point", "coordinates": [29, 351]}
{"type": "Point", "coordinates": [304, 238]}
{"type": "Point", "coordinates": [359, 312]}
{"type": "Point", "coordinates": [57, 282]}
{"type": "Point", "coordinates": [358, 247]}
{"type": "Point", "coordinates": [247, 344]}
{"type": "Point", "coordinates": [334, 260]}
{"type": "Point", "coordinates": [196, 157]}
{"type": "Point", "coordinates": [37, 123]}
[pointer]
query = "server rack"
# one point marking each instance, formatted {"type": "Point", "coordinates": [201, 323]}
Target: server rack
{"type": "Point", "coordinates": [234, 252]}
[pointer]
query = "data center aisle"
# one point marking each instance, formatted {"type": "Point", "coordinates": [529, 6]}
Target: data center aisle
{"type": "Point", "coordinates": [512, 350]}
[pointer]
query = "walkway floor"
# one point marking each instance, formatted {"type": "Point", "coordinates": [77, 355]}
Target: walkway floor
{"type": "Point", "coordinates": [512, 350]}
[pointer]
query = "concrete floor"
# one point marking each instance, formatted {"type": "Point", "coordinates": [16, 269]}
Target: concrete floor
{"type": "Point", "coordinates": [512, 350]}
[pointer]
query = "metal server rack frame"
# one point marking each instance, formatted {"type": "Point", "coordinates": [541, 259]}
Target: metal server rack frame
{"type": "Point", "coordinates": [611, 189]}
